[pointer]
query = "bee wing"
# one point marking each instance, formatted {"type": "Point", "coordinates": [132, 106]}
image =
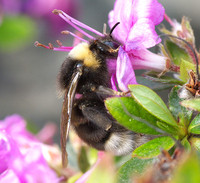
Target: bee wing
{"type": "Point", "coordinates": [66, 113]}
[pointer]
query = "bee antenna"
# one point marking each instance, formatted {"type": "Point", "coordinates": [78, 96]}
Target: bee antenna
{"type": "Point", "coordinates": [110, 34]}
{"type": "Point", "coordinates": [191, 48]}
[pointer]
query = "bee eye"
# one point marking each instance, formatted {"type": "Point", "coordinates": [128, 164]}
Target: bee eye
{"type": "Point", "coordinates": [111, 44]}
{"type": "Point", "coordinates": [78, 65]}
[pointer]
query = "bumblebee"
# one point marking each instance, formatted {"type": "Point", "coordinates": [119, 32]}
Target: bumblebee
{"type": "Point", "coordinates": [85, 80]}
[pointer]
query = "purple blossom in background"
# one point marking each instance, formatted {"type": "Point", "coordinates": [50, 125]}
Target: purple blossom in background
{"type": "Point", "coordinates": [11, 6]}
{"type": "Point", "coordinates": [37, 8]}
{"type": "Point", "coordinates": [21, 154]}
{"type": "Point", "coordinates": [136, 32]}
{"type": "Point", "coordinates": [44, 10]}
{"type": "Point", "coordinates": [40, 9]}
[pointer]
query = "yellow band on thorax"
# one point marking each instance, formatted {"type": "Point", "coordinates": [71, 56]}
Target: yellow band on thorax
{"type": "Point", "coordinates": [82, 52]}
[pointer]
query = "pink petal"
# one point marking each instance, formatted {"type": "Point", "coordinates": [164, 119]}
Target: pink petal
{"type": "Point", "coordinates": [14, 123]}
{"type": "Point", "coordinates": [111, 63]}
{"type": "Point", "coordinates": [131, 13]}
{"type": "Point", "coordinates": [32, 164]}
{"type": "Point", "coordinates": [8, 151]}
{"type": "Point", "coordinates": [47, 133]}
{"type": "Point", "coordinates": [9, 176]}
{"type": "Point", "coordinates": [142, 35]}
{"type": "Point", "coordinates": [124, 73]}
{"type": "Point", "coordinates": [15, 126]}
{"type": "Point", "coordinates": [144, 59]}
{"type": "Point", "coordinates": [121, 13]}
{"type": "Point", "coordinates": [150, 9]}
{"type": "Point", "coordinates": [21, 155]}
{"type": "Point", "coordinates": [113, 82]}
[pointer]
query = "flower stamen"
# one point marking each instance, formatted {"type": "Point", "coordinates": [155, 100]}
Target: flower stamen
{"type": "Point", "coordinates": [37, 44]}
{"type": "Point", "coordinates": [74, 35]}
{"type": "Point", "coordinates": [104, 28]}
{"type": "Point", "coordinates": [59, 43]}
{"type": "Point", "coordinates": [51, 47]}
{"type": "Point", "coordinates": [73, 22]}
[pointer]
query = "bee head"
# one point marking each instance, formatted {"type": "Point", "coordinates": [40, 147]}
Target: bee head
{"type": "Point", "coordinates": [106, 46]}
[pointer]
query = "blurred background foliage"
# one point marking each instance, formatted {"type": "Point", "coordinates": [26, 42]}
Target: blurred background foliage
{"type": "Point", "coordinates": [28, 74]}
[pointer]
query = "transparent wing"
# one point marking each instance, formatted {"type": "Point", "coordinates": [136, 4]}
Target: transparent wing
{"type": "Point", "coordinates": [66, 113]}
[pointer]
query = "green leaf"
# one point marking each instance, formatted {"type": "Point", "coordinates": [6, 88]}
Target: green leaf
{"type": "Point", "coordinates": [131, 115]}
{"type": "Point", "coordinates": [185, 67]}
{"type": "Point", "coordinates": [188, 172]}
{"type": "Point", "coordinates": [101, 176]}
{"type": "Point", "coordinates": [32, 127]}
{"type": "Point", "coordinates": [102, 172]}
{"type": "Point", "coordinates": [153, 147]}
{"type": "Point", "coordinates": [132, 167]}
{"type": "Point", "coordinates": [16, 31]}
{"type": "Point", "coordinates": [186, 143]}
{"type": "Point", "coordinates": [83, 162]}
{"type": "Point", "coordinates": [176, 53]}
{"type": "Point", "coordinates": [152, 103]}
{"type": "Point", "coordinates": [74, 178]}
{"type": "Point", "coordinates": [192, 104]}
{"type": "Point", "coordinates": [120, 160]}
{"type": "Point", "coordinates": [178, 111]}
{"type": "Point", "coordinates": [153, 76]}
{"type": "Point", "coordinates": [167, 128]}
{"type": "Point", "coordinates": [154, 85]}
{"type": "Point", "coordinates": [195, 142]}
{"type": "Point", "coordinates": [174, 105]}
{"type": "Point", "coordinates": [92, 155]}
{"type": "Point", "coordinates": [195, 125]}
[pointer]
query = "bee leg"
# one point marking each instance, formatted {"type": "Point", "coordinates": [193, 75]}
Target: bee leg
{"type": "Point", "coordinates": [108, 91]}
{"type": "Point", "coordinates": [97, 114]}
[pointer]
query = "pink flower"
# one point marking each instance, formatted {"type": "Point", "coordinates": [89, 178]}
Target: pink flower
{"type": "Point", "coordinates": [136, 32]}
{"type": "Point", "coordinates": [137, 22]}
{"type": "Point", "coordinates": [15, 126]}
{"type": "Point", "coordinates": [21, 154]}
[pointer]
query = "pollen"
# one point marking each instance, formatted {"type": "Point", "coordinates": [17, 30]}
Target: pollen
{"type": "Point", "coordinates": [83, 53]}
